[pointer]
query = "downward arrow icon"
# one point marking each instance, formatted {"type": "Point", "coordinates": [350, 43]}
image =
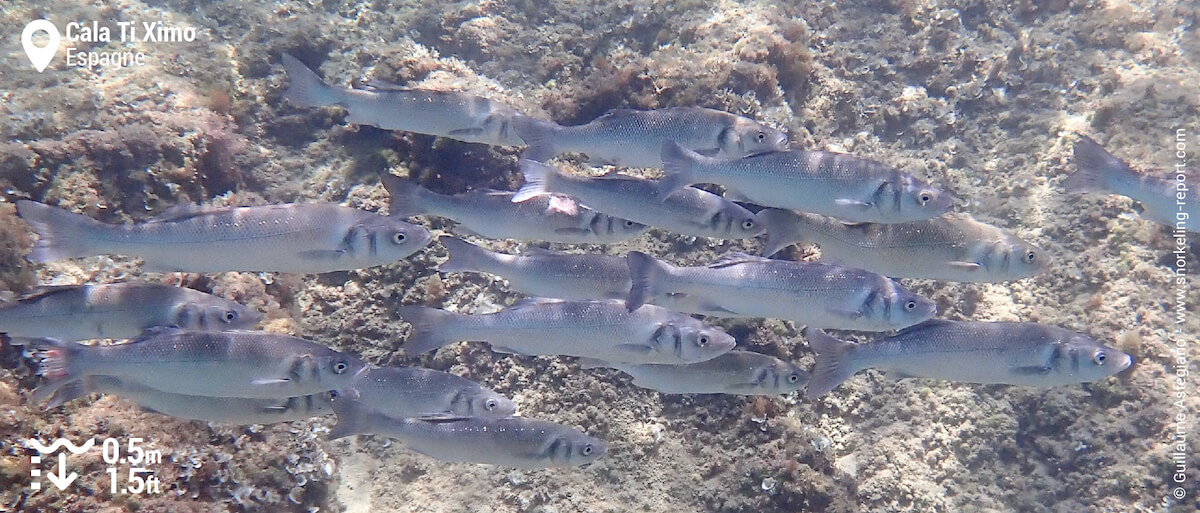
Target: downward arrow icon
{"type": "Point", "coordinates": [62, 480]}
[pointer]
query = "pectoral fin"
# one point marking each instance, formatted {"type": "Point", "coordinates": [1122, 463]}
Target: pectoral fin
{"type": "Point", "coordinates": [466, 131]}
{"type": "Point", "coordinates": [321, 254]}
{"type": "Point", "coordinates": [1032, 370]}
{"type": "Point", "coordinates": [572, 231]}
{"type": "Point", "coordinates": [846, 202]}
{"type": "Point", "coordinates": [708, 152]}
{"type": "Point", "coordinates": [635, 348]}
{"type": "Point", "coordinates": [965, 266]}
{"type": "Point", "coordinates": [269, 381]}
{"type": "Point", "coordinates": [847, 313]}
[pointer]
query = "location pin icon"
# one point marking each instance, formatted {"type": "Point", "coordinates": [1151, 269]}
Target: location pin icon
{"type": "Point", "coordinates": [40, 57]}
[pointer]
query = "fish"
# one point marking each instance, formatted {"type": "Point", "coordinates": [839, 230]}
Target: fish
{"type": "Point", "coordinates": [224, 410]}
{"type": "Point", "coordinates": [1010, 353]}
{"type": "Point", "coordinates": [634, 138]}
{"type": "Point", "coordinates": [118, 310]}
{"type": "Point", "coordinates": [735, 372]}
{"type": "Point", "coordinates": [812, 294]}
{"type": "Point", "coordinates": [298, 238]}
{"type": "Point", "coordinates": [252, 364]}
{"type": "Point", "coordinates": [543, 273]}
{"type": "Point", "coordinates": [510, 441]}
{"type": "Point", "coordinates": [603, 330]}
{"type": "Point", "coordinates": [1102, 172]}
{"type": "Point", "coordinates": [688, 211]}
{"type": "Point", "coordinates": [493, 215]}
{"type": "Point", "coordinates": [417, 392]}
{"type": "Point", "coordinates": [953, 247]}
{"type": "Point", "coordinates": [820, 182]}
{"type": "Point", "coordinates": [449, 114]}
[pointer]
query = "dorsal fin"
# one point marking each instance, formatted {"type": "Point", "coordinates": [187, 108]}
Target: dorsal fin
{"type": "Point", "coordinates": [180, 213]}
{"type": "Point", "coordinates": [729, 259]}
{"type": "Point", "coordinates": [154, 331]}
{"type": "Point", "coordinates": [40, 293]}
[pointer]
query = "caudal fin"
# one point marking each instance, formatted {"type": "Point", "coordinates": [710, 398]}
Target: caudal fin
{"type": "Point", "coordinates": [645, 272]}
{"type": "Point", "coordinates": [780, 227]}
{"type": "Point", "coordinates": [61, 234]}
{"type": "Point", "coordinates": [429, 328]}
{"type": "Point", "coordinates": [406, 195]}
{"type": "Point", "coordinates": [464, 256]}
{"type": "Point", "coordinates": [677, 169]}
{"type": "Point", "coordinates": [538, 136]}
{"type": "Point", "coordinates": [305, 88]}
{"type": "Point", "coordinates": [1093, 166]}
{"type": "Point", "coordinates": [833, 364]}
{"type": "Point", "coordinates": [537, 178]}
{"type": "Point", "coordinates": [58, 364]}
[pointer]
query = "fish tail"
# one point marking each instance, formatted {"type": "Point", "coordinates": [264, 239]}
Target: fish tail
{"type": "Point", "coordinates": [677, 169]}
{"type": "Point", "coordinates": [428, 328]}
{"type": "Point", "coordinates": [59, 365]}
{"type": "Point", "coordinates": [833, 364]}
{"type": "Point", "coordinates": [779, 225]}
{"type": "Point", "coordinates": [352, 416]}
{"type": "Point", "coordinates": [538, 136]}
{"type": "Point", "coordinates": [464, 256]}
{"type": "Point", "coordinates": [406, 195]}
{"type": "Point", "coordinates": [61, 234]}
{"type": "Point", "coordinates": [1094, 166]}
{"type": "Point", "coordinates": [537, 179]}
{"type": "Point", "coordinates": [305, 88]}
{"type": "Point", "coordinates": [645, 272]}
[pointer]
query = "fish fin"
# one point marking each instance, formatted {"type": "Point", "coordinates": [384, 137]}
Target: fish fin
{"type": "Point", "coordinates": [379, 84]}
{"type": "Point", "coordinates": [352, 418]}
{"type": "Point", "coordinates": [39, 293]}
{"type": "Point", "coordinates": [537, 178]}
{"type": "Point", "coordinates": [930, 324]}
{"type": "Point", "coordinates": [269, 381]}
{"type": "Point", "coordinates": [535, 301]}
{"type": "Point", "coordinates": [538, 136]}
{"type": "Point", "coordinates": [853, 315]}
{"type": "Point", "coordinates": [894, 376]}
{"type": "Point", "coordinates": [748, 388]}
{"type": "Point", "coordinates": [645, 272]}
{"type": "Point", "coordinates": [58, 364]}
{"type": "Point", "coordinates": [637, 349]}
{"type": "Point", "coordinates": [535, 251]}
{"type": "Point", "coordinates": [459, 132]}
{"type": "Point", "coordinates": [594, 363]}
{"type": "Point", "coordinates": [154, 331]}
{"type": "Point", "coordinates": [441, 416]}
{"type": "Point", "coordinates": [321, 254]}
{"type": "Point", "coordinates": [965, 266]}
{"type": "Point", "coordinates": [462, 230]}
{"type": "Point", "coordinates": [68, 392]}
{"type": "Point", "coordinates": [61, 234]}
{"type": "Point", "coordinates": [178, 213]}
{"type": "Point", "coordinates": [427, 328]}
{"type": "Point", "coordinates": [305, 88]}
{"type": "Point", "coordinates": [572, 231]}
{"type": "Point", "coordinates": [707, 152]}
{"type": "Point", "coordinates": [406, 195]}
{"type": "Point", "coordinates": [848, 202]}
{"type": "Point", "coordinates": [833, 362]}
{"type": "Point", "coordinates": [713, 308]}
{"type": "Point", "coordinates": [677, 169]}
{"type": "Point", "coordinates": [1094, 163]}
{"type": "Point", "coordinates": [735, 258]}
{"type": "Point", "coordinates": [464, 256]}
{"type": "Point", "coordinates": [735, 195]}
{"type": "Point", "coordinates": [779, 225]}
{"type": "Point", "coordinates": [1032, 370]}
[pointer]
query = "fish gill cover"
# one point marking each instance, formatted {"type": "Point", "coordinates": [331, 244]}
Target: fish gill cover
{"type": "Point", "coordinates": [130, 114]}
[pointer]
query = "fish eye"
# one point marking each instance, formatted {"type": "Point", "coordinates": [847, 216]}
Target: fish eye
{"type": "Point", "coordinates": [702, 341]}
{"type": "Point", "coordinates": [926, 198]}
{"type": "Point", "coordinates": [629, 224]}
{"type": "Point", "coordinates": [792, 378]}
{"type": "Point", "coordinates": [1030, 257]}
{"type": "Point", "coordinates": [490, 404]}
{"type": "Point", "coordinates": [1100, 357]}
{"type": "Point", "coordinates": [399, 237]}
{"type": "Point", "coordinates": [587, 450]}
{"type": "Point", "coordinates": [340, 367]}
{"type": "Point", "coordinates": [910, 305]}
{"type": "Point", "coordinates": [748, 224]}
{"type": "Point", "coordinates": [229, 316]}
{"type": "Point", "coordinates": [762, 136]}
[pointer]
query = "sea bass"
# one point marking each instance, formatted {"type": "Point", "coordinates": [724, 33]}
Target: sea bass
{"type": "Point", "coordinates": [299, 238]}
{"type": "Point", "coordinates": [688, 211]}
{"type": "Point", "coordinates": [735, 372]}
{"type": "Point", "coordinates": [603, 330]}
{"type": "Point", "coordinates": [254, 364]}
{"type": "Point", "coordinates": [118, 310]}
{"type": "Point", "coordinates": [442, 113]}
{"type": "Point", "coordinates": [417, 392]}
{"type": "Point", "coordinates": [226, 410]}
{"type": "Point", "coordinates": [821, 182]}
{"type": "Point", "coordinates": [510, 441]}
{"type": "Point", "coordinates": [1100, 171]}
{"type": "Point", "coordinates": [634, 138]}
{"type": "Point", "coordinates": [492, 214]}
{"type": "Point", "coordinates": [953, 247]}
{"type": "Point", "coordinates": [1012, 353]}
{"type": "Point", "coordinates": [812, 294]}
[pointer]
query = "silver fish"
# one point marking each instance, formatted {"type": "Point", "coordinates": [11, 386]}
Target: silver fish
{"type": "Point", "coordinates": [510, 441]}
{"type": "Point", "coordinates": [1100, 171]}
{"type": "Point", "coordinates": [301, 238]}
{"type": "Point", "coordinates": [688, 211]}
{"type": "Point", "coordinates": [492, 214]}
{"type": "Point", "coordinates": [442, 113]}
{"type": "Point", "coordinates": [254, 364]}
{"type": "Point", "coordinates": [735, 372]}
{"type": "Point", "coordinates": [953, 247]}
{"type": "Point", "coordinates": [813, 294]}
{"type": "Point", "coordinates": [118, 310]}
{"type": "Point", "coordinates": [603, 330]}
{"type": "Point", "coordinates": [1013, 353]}
{"type": "Point", "coordinates": [226, 410]}
{"type": "Point", "coordinates": [543, 273]}
{"type": "Point", "coordinates": [821, 182]}
{"type": "Point", "coordinates": [417, 392]}
{"type": "Point", "coordinates": [634, 138]}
